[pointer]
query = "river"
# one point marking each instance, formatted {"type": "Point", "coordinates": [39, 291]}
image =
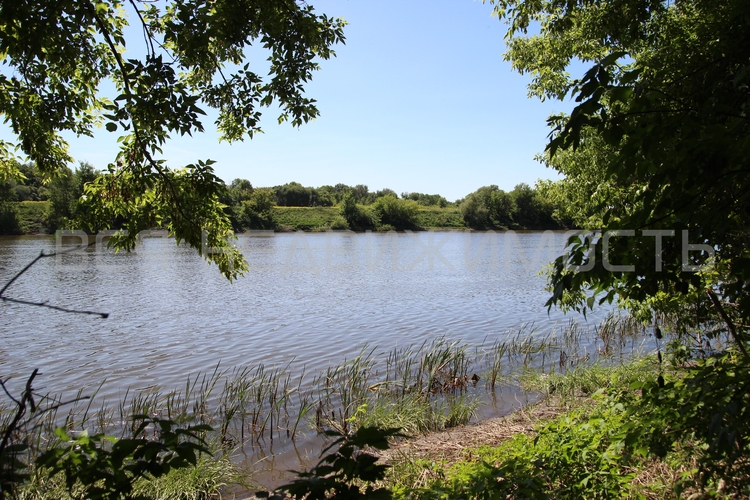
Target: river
{"type": "Point", "coordinates": [315, 298]}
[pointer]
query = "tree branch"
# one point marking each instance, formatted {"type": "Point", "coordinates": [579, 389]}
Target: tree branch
{"type": "Point", "coordinates": [149, 39]}
{"type": "Point", "coordinates": [730, 325]}
{"type": "Point", "coordinates": [136, 129]}
{"type": "Point", "coordinates": [43, 304]}
{"type": "Point", "coordinates": [21, 411]}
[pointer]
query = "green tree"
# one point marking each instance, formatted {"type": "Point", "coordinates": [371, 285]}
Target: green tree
{"type": "Point", "coordinates": [384, 192]}
{"type": "Point", "coordinates": [658, 145]}
{"type": "Point", "coordinates": [63, 199]}
{"type": "Point", "coordinates": [8, 217]}
{"type": "Point", "coordinates": [361, 194]}
{"type": "Point", "coordinates": [532, 211]}
{"type": "Point", "coordinates": [488, 207]}
{"type": "Point", "coordinates": [293, 194]}
{"type": "Point", "coordinates": [66, 191]}
{"type": "Point", "coordinates": [401, 214]}
{"type": "Point", "coordinates": [239, 190]}
{"type": "Point", "coordinates": [665, 107]}
{"type": "Point", "coordinates": [256, 211]}
{"type": "Point", "coordinates": [476, 215]}
{"type": "Point", "coordinates": [59, 54]}
{"type": "Point", "coordinates": [426, 199]}
{"type": "Point", "coordinates": [26, 184]}
{"type": "Point", "coordinates": [586, 193]}
{"type": "Point", "coordinates": [358, 217]}
{"type": "Point", "coordinates": [327, 196]}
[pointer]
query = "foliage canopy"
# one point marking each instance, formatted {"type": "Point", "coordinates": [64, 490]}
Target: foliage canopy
{"type": "Point", "coordinates": [60, 58]}
{"type": "Point", "coordinates": [662, 115]}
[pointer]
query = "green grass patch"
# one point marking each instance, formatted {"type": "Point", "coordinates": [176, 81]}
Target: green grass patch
{"type": "Point", "coordinates": [580, 454]}
{"type": "Point", "coordinates": [209, 478]}
{"type": "Point", "coordinates": [304, 218]}
{"type": "Point", "coordinates": [420, 413]}
{"type": "Point", "coordinates": [645, 430]}
{"type": "Point", "coordinates": [584, 380]}
{"type": "Point", "coordinates": [324, 218]}
{"type": "Point", "coordinates": [435, 217]}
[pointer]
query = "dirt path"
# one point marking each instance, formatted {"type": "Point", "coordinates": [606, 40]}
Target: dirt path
{"type": "Point", "coordinates": [452, 443]}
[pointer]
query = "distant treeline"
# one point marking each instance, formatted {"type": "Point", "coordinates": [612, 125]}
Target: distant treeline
{"type": "Point", "coordinates": [248, 207]}
{"type": "Point", "coordinates": [62, 193]}
{"type": "Point", "coordinates": [488, 207]}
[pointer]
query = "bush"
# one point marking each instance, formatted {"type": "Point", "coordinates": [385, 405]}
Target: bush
{"type": "Point", "coordinates": [706, 413]}
{"type": "Point", "coordinates": [475, 214]}
{"type": "Point", "coordinates": [96, 466]}
{"type": "Point", "coordinates": [358, 218]}
{"type": "Point", "coordinates": [339, 223]}
{"type": "Point", "coordinates": [9, 219]}
{"type": "Point", "coordinates": [401, 214]}
{"type": "Point", "coordinates": [255, 212]}
{"type": "Point", "coordinates": [488, 207]}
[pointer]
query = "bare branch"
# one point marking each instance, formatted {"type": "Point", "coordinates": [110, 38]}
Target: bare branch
{"type": "Point", "coordinates": [56, 308]}
{"type": "Point", "coordinates": [727, 320]}
{"type": "Point", "coordinates": [21, 411]}
{"type": "Point", "coordinates": [43, 304]}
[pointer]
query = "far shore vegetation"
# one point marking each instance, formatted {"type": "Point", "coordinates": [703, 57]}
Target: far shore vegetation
{"type": "Point", "coordinates": [36, 205]}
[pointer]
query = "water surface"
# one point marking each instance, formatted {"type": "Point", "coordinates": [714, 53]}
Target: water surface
{"type": "Point", "coordinates": [312, 297]}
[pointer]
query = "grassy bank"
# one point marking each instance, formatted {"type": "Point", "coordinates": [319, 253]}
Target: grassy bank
{"type": "Point", "coordinates": [31, 218]}
{"type": "Point", "coordinates": [643, 429]}
{"type": "Point", "coordinates": [546, 449]}
{"type": "Point", "coordinates": [325, 218]}
{"type": "Point", "coordinates": [304, 218]}
{"type": "Point", "coordinates": [208, 478]}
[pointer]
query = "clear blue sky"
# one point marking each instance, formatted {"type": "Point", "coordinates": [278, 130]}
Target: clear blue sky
{"type": "Point", "coordinates": [419, 99]}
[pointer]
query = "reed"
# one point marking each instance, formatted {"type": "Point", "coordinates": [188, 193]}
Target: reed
{"type": "Point", "coordinates": [495, 360]}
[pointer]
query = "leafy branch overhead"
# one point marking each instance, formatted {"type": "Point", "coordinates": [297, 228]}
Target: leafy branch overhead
{"type": "Point", "coordinates": [189, 55]}
{"type": "Point", "coordinates": [659, 140]}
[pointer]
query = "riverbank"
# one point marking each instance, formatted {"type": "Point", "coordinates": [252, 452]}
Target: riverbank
{"type": "Point", "coordinates": [644, 429]}
{"type": "Point", "coordinates": [327, 218]}
{"type": "Point", "coordinates": [539, 449]}
{"type": "Point", "coordinates": [460, 461]}
{"type": "Point", "coordinates": [427, 465]}
{"type": "Point", "coordinates": [30, 217]}
{"type": "Point", "coordinates": [466, 461]}
{"type": "Point", "coordinates": [255, 412]}
{"type": "Point", "coordinates": [597, 432]}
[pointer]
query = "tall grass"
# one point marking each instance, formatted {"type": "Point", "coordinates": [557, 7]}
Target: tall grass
{"type": "Point", "coordinates": [253, 406]}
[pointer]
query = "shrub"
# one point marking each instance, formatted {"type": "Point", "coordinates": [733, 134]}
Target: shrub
{"type": "Point", "coordinates": [488, 207]}
{"type": "Point", "coordinates": [358, 218]}
{"type": "Point", "coordinates": [706, 413]}
{"type": "Point", "coordinates": [339, 223]}
{"type": "Point", "coordinates": [255, 213]}
{"type": "Point", "coordinates": [401, 214]}
{"type": "Point", "coordinates": [347, 473]}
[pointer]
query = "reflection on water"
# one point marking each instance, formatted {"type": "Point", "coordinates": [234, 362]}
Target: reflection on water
{"type": "Point", "coordinates": [312, 297]}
